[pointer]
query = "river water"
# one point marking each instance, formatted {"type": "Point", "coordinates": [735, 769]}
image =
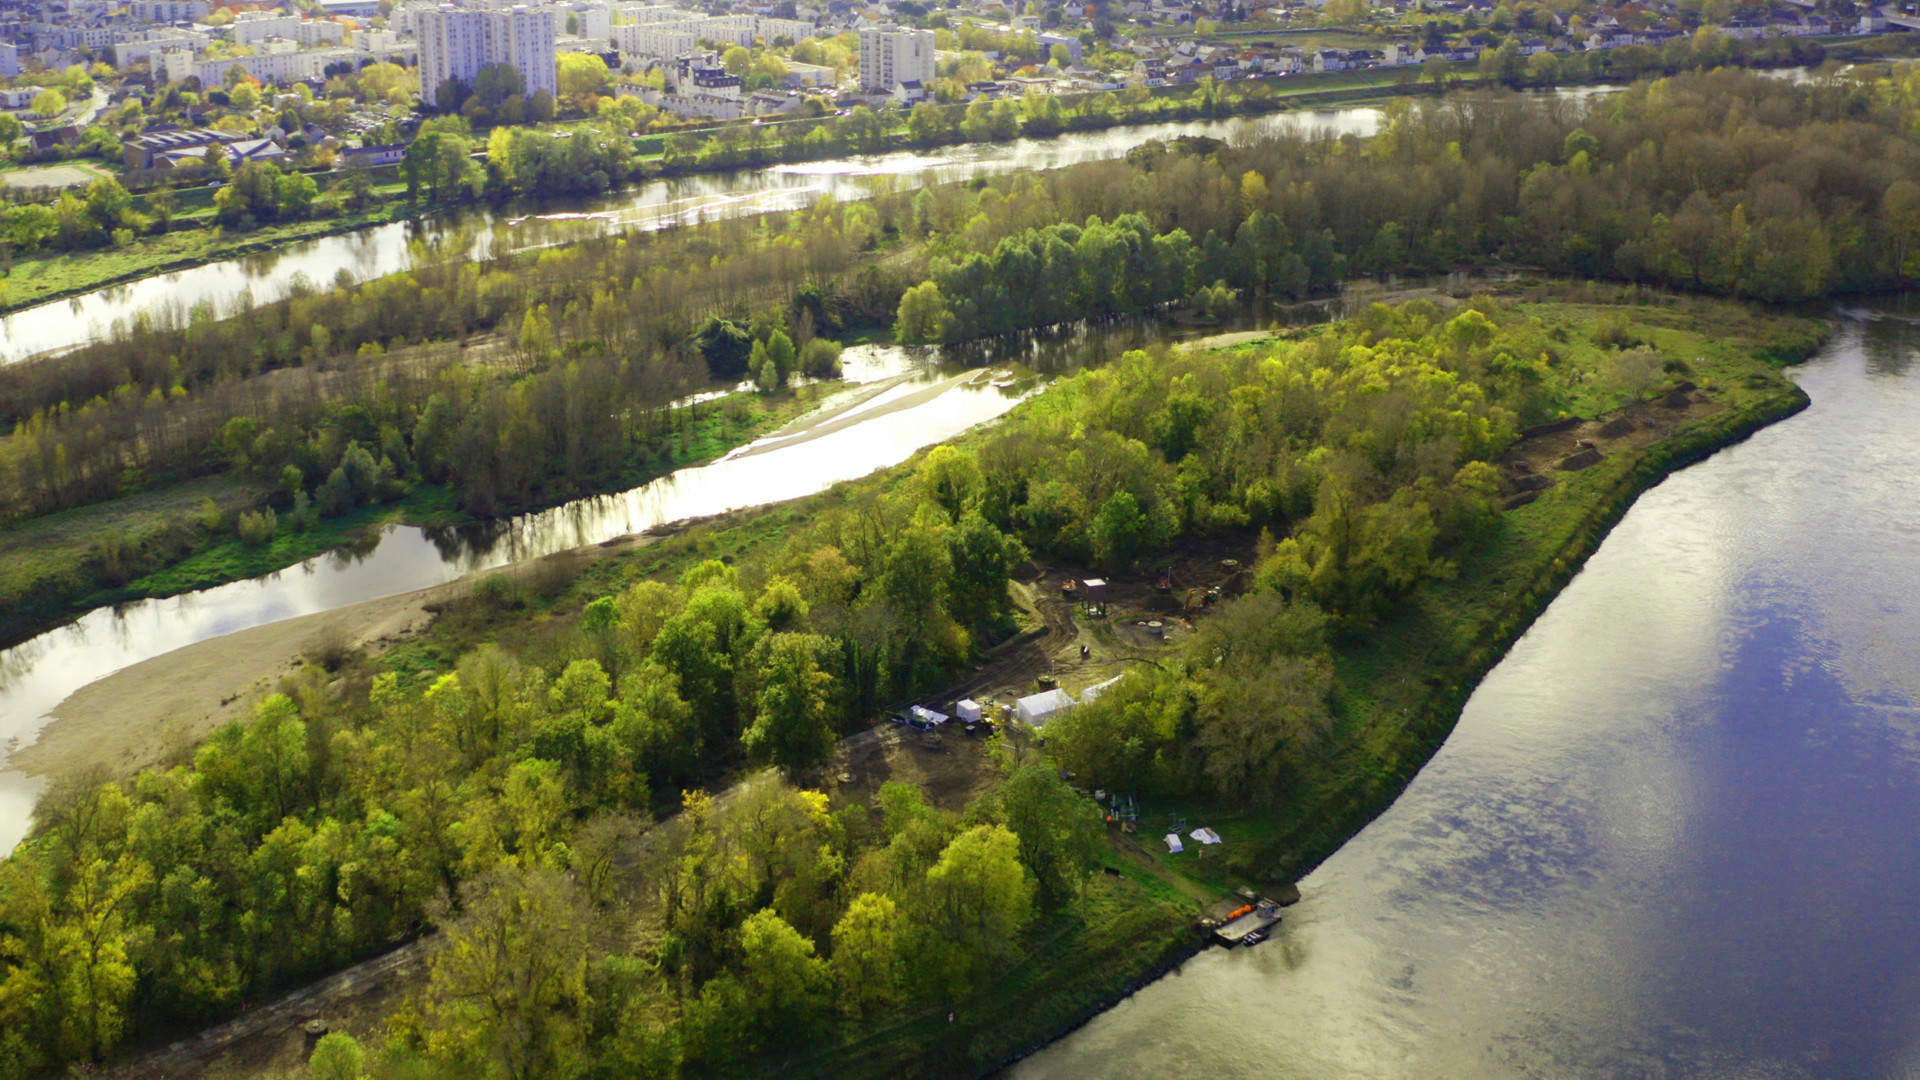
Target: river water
{"type": "Point", "coordinates": [1673, 833]}
{"type": "Point", "coordinates": [387, 249]}
{"type": "Point", "coordinates": [902, 399]}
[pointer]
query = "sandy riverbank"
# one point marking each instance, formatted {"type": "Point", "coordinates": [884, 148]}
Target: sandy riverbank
{"type": "Point", "coordinates": [154, 710]}
{"type": "Point", "coordinates": [143, 714]}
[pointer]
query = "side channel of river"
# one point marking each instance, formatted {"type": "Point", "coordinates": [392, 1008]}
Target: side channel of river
{"type": "Point", "coordinates": [1673, 833]}
{"type": "Point", "coordinates": [915, 397]}
{"type": "Point", "coordinates": [387, 249]}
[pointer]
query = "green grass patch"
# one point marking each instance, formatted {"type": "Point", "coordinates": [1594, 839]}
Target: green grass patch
{"type": "Point", "coordinates": [41, 278]}
{"type": "Point", "coordinates": [158, 544]}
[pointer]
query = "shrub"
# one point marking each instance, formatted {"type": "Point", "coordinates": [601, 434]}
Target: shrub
{"type": "Point", "coordinates": [258, 528]}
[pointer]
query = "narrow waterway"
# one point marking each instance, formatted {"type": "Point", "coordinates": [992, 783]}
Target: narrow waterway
{"type": "Point", "coordinates": [387, 249]}
{"type": "Point", "coordinates": [476, 232]}
{"type": "Point", "coordinates": [1673, 833]}
{"type": "Point", "coordinates": [916, 397]}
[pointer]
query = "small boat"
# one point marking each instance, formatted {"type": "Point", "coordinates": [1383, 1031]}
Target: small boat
{"type": "Point", "coordinates": [1254, 938]}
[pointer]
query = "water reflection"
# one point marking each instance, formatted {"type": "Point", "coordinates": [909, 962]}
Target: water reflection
{"type": "Point", "coordinates": [1672, 833]}
{"type": "Point", "coordinates": [479, 233]}
{"type": "Point", "coordinates": [919, 396]}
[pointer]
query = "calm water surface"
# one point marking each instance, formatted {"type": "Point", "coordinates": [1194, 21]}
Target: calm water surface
{"type": "Point", "coordinates": [923, 401]}
{"type": "Point", "coordinates": [386, 249]}
{"type": "Point", "coordinates": [1674, 834]}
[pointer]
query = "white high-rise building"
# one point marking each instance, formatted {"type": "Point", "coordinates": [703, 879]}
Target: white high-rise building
{"type": "Point", "coordinates": [250, 27]}
{"type": "Point", "coordinates": [522, 38]}
{"type": "Point", "coordinates": [455, 43]}
{"type": "Point", "coordinates": [890, 56]}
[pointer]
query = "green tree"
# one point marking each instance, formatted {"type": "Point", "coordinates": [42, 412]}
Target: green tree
{"type": "Point", "coordinates": [49, 103]}
{"type": "Point", "coordinates": [867, 953]}
{"type": "Point", "coordinates": [1119, 532]}
{"type": "Point", "coordinates": [1061, 835]}
{"type": "Point", "coordinates": [507, 990]}
{"type": "Point", "coordinates": [792, 726]}
{"type": "Point", "coordinates": [1900, 217]}
{"type": "Point", "coordinates": [923, 315]}
{"type": "Point", "coordinates": [1254, 724]}
{"type": "Point", "coordinates": [983, 559]}
{"type": "Point", "coordinates": [982, 893]}
{"type": "Point", "coordinates": [294, 194]}
{"type": "Point", "coordinates": [582, 75]}
{"type": "Point", "coordinates": [952, 479]}
{"type": "Point", "coordinates": [337, 1056]}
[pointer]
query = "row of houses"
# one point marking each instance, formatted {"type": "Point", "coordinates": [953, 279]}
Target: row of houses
{"type": "Point", "coordinates": [1187, 62]}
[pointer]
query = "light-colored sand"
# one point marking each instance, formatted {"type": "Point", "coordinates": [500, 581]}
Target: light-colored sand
{"type": "Point", "coordinates": [1228, 341]}
{"type": "Point", "coordinates": [837, 419]}
{"type": "Point", "coordinates": [143, 714]}
{"type": "Point", "coordinates": [137, 716]}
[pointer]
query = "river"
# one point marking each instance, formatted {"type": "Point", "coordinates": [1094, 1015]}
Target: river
{"type": "Point", "coordinates": [387, 249]}
{"type": "Point", "coordinates": [1673, 833]}
{"type": "Point", "coordinates": [909, 398]}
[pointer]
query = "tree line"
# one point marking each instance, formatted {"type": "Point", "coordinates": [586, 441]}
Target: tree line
{"type": "Point", "coordinates": [572, 379]}
{"type": "Point", "coordinates": [1723, 182]}
{"type": "Point", "coordinates": [497, 790]}
{"type": "Point", "coordinates": [501, 793]}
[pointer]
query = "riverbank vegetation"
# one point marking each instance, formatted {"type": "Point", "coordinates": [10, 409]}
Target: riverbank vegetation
{"type": "Point", "coordinates": [239, 524]}
{"type": "Point", "coordinates": [1723, 182]}
{"type": "Point", "coordinates": [59, 244]}
{"type": "Point", "coordinates": [495, 778]}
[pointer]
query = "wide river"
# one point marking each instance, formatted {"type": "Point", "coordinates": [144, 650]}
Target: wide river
{"type": "Point", "coordinates": [1674, 834]}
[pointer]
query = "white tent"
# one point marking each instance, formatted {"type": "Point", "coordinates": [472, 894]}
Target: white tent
{"type": "Point", "coordinates": [1205, 836]}
{"type": "Point", "coordinates": [1092, 693]}
{"type": "Point", "coordinates": [1174, 846]}
{"type": "Point", "coordinates": [969, 710]}
{"type": "Point", "coordinates": [928, 716]}
{"type": "Point", "coordinates": [1035, 711]}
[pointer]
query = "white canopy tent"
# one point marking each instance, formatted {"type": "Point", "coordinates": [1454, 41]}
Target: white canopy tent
{"type": "Point", "coordinates": [1092, 693]}
{"type": "Point", "coordinates": [1035, 711]}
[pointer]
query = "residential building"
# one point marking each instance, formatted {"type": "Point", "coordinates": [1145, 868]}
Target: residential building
{"type": "Point", "coordinates": [316, 32]}
{"type": "Point", "coordinates": [453, 45]}
{"type": "Point", "coordinates": [172, 65]}
{"type": "Point", "coordinates": [367, 157]}
{"type": "Point", "coordinates": [9, 60]}
{"type": "Point", "coordinates": [522, 38]}
{"type": "Point", "coordinates": [250, 27]}
{"type": "Point", "coordinates": [168, 11]}
{"type": "Point", "coordinates": [890, 56]}
{"type": "Point", "coordinates": [655, 41]}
